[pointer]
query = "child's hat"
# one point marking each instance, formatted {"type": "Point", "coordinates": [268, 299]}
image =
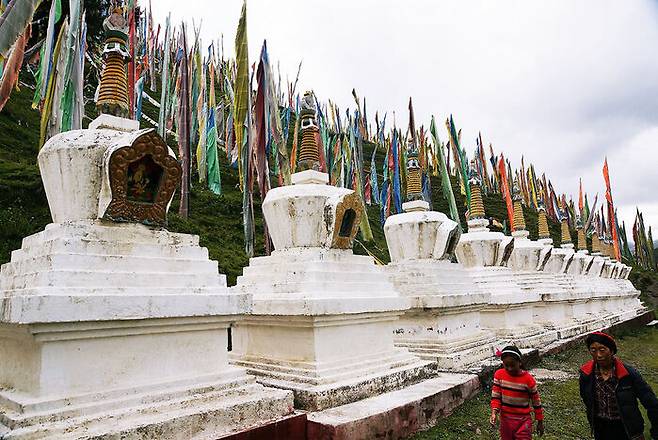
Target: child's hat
{"type": "Point", "coordinates": [510, 350]}
{"type": "Point", "coordinates": [601, 338]}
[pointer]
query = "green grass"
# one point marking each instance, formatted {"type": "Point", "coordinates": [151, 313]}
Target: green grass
{"type": "Point", "coordinates": [23, 204]}
{"type": "Point", "coordinates": [564, 412]}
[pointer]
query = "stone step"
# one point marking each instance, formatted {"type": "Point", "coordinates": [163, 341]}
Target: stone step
{"type": "Point", "coordinates": [89, 262]}
{"type": "Point", "coordinates": [438, 281]}
{"type": "Point", "coordinates": [232, 381]}
{"type": "Point", "coordinates": [323, 289]}
{"type": "Point", "coordinates": [110, 291]}
{"type": "Point", "coordinates": [313, 256]}
{"type": "Point", "coordinates": [252, 275]}
{"type": "Point", "coordinates": [303, 266]}
{"type": "Point", "coordinates": [395, 414]}
{"type": "Point", "coordinates": [326, 375]}
{"type": "Point", "coordinates": [77, 246]}
{"type": "Point", "coordinates": [317, 397]}
{"type": "Point", "coordinates": [101, 279]}
{"type": "Point", "coordinates": [205, 415]}
{"type": "Point", "coordinates": [111, 232]}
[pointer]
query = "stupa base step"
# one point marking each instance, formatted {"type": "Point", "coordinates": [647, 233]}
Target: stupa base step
{"type": "Point", "coordinates": [532, 336]}
{"type": "Point", "coordinates": [457, 355]}
{"type": "Point", "coordinates": [396, 414]}
{"type": "Point", "coordinates": [197, 411]}
{"type": "Point", "coordinates": [576, 328]}
{"type": "Point", "coordinates": [319, 394]}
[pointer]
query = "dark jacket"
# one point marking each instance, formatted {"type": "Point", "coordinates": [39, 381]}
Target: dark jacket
{"type": "Point", "coordinates": [630, 388]}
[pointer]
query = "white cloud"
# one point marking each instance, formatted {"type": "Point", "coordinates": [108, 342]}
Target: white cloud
{"type": "Point", "coordinates": [564, 83]}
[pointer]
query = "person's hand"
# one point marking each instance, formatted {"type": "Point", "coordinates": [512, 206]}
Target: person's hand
{"type": "Point", "coordinates": [492, 419]}
{"type": "Point", "coordinates": [540, 427]}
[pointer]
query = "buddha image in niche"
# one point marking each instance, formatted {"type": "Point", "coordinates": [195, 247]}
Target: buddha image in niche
{"type": "Point", "coordinates": [143, 180]}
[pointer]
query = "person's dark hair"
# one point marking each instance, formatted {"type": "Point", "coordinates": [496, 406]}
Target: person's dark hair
{"type": "Point", "coordinates": [511, 350]}
{"type": "Point", "coordinates": [601, 338]}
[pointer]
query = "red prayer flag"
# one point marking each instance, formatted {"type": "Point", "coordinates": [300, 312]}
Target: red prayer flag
{"type": "Point", "coordinates": [506, 193]}
{"type": "Point", "coordinates": [611, 210]}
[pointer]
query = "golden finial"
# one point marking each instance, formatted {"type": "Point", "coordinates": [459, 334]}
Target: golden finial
{"type": "Point", "coordinates": [476, 206]}
{"type": "Point", "coordinates": [542, 222]}
{"type": "Point", "coordinates": [608, 249]}
{"type": "Point", "coordinates": [596, 243]}
{"type": "Point", "coordinates": [414, 184]}
{"type": "Point", "coordinates": [519, 221]}
{"type": "Point", "coordinates": [566, 236]}
{"type": "Point", "coordinates": [564, 228]}
{"type": "Point", "coordinates": [309, 156]}
{"type": "Point", "coordinates": [113, 90]}
{"type": "Point", "coordinates": [582, 241]}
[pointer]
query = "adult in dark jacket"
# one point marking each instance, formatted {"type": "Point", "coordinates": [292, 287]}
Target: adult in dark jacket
{"type": "Point", "coordinates": [610, 390]}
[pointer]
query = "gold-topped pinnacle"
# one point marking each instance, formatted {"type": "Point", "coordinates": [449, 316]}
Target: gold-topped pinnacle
{"type": "Point", "coordinates": [596, 243]}
{"type": "Point", "coordinates": [542, 222]}
{"type": "Point", "coordinates": [309, 155]}
{"type": "Point", "coordinates": [565, 235]}
{"type": "Point", "coordinates": [113, 90]}
{"type": "Point", "coordinates": [476, 205]}
{"type": "Point", "coordinates": [582, 241]}
{"type": "Point", "coordinates": [519, 220]}
{"type": "Point", "coordinates": [414, 183]}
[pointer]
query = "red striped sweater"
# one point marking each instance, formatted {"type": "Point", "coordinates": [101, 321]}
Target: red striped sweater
{"type": "Point", "coordinates": [516, 394]}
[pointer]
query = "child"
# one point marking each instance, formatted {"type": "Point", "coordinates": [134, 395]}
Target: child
{"type": "Point", "coordinates": [513, 396]}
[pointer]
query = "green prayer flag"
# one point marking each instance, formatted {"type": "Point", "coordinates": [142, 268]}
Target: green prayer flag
{"type": "Point", "coordinates": [445, 178]}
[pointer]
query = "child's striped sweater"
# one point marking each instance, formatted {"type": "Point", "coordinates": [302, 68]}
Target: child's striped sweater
{"type": "Point", "coordinates": [516, 394]}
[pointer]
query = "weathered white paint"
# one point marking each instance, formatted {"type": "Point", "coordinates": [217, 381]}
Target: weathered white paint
{"type": "Point", "coordinates": [322, 320]}
{"type": "Point", "coordinates": [117, 329]}
{"type": "Point", "coordinates": [420, 235]}
{"type": "Point", "coordinates": [482, 248]}
{"type": "Point", "coordinates": [443, 323]}
{"type": "Point", "coordinates": [527, 255]}
{"type": "Point", "coordinates": [560, 259]}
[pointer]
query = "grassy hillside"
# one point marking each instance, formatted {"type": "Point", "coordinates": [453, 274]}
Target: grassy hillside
{"type": "Point", "coordinates": [216, 219]}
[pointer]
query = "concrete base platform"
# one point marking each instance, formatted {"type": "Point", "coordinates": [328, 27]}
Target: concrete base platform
{"type": "Point", "coordinates": [396, 414]}
{"type": "Point", "coordinates": [292, 427]}
{"type": "Point", "coordinates": [201, 413]}
{"type": "Point", "coordinates": [319, 396]}
{"type": "Point", "coordinates": [453, 356]}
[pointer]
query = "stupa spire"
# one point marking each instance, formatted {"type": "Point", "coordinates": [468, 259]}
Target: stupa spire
{"type": "Point", "coordinates": [519, 221]}
{"type": "Point", "coordinates": [582, 241]}
{"type": "Point", "coordinates": [113, 90]}
{"type": "Point", "coordinates": [309, 156]}
{"type": "Point", "coordinates": [476, 206]}
{"type": "Point", "coordinates": [414, 184]}
{"type": "Point", "coordinates": [596, 243]}
{"type": "Point", "coordinates": [542, 222]}
{"type": "Point", "coordinates": [565, 237]}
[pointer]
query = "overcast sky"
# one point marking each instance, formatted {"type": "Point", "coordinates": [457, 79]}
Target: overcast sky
{"type": "Point", "coordinates": [564, 83]}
